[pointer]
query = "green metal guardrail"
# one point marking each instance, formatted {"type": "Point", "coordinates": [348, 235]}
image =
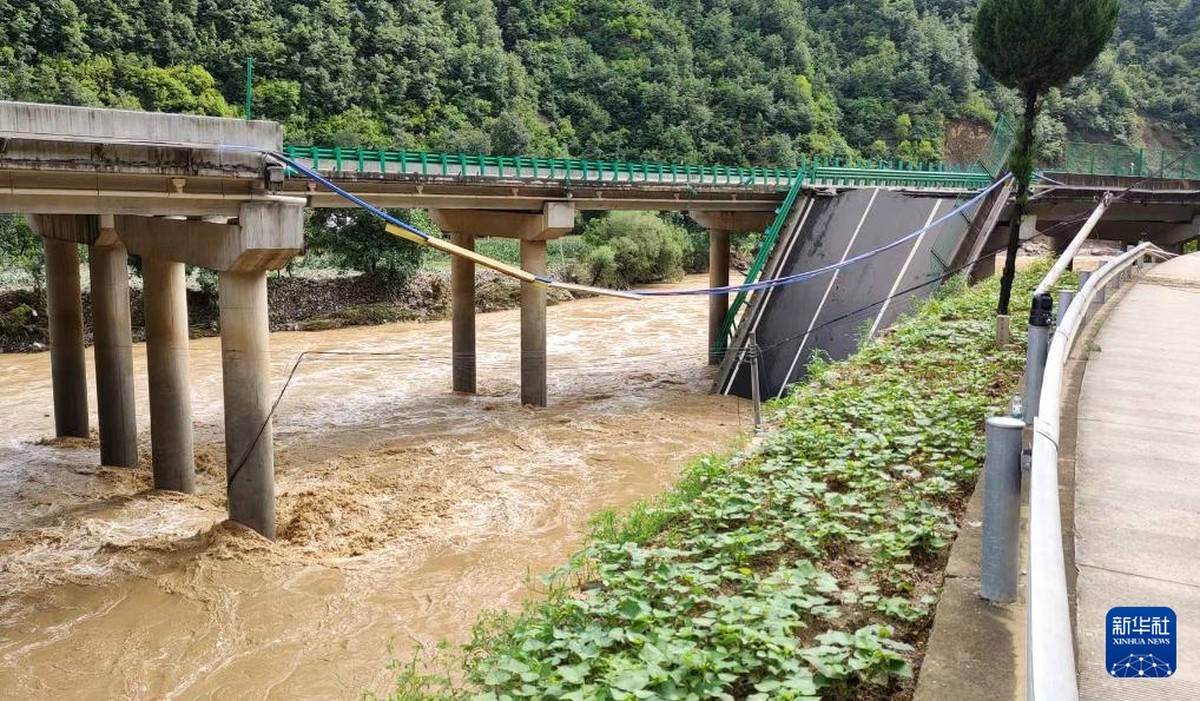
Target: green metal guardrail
{"type": "Point", "coordinates": [339, 160]}
{"type": "Point", "coordinates": [956, 180]}
{"type": "Point", "coordinates": [824, 170]}
{"type": "Point", "coordinates": [1077, 158]}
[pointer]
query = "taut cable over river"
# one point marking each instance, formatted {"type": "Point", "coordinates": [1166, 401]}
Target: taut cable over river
{"type": "Point", "coordinates": [404, 510]}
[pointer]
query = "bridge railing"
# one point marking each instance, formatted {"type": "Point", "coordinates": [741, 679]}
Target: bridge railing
{"type": "Point", "coordinates": [1050, 648]}
{"type": "Point", "coordinates": [461, 165]}
{"type": "Point", "coordinates": [860, 177]}
{"type": "Point", "coordinates": [818, 170]}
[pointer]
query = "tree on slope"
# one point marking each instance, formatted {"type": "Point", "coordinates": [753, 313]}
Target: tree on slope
{"type": "Point", "coordinates": [1032, 46]}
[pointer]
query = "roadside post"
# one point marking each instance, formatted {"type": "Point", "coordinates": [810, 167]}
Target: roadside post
{"type": "Point", "coordinates": [1002, 510]}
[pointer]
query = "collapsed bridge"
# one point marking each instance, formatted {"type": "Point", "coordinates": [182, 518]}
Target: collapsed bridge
{"type": "Point", "coordinates": [216, 193]}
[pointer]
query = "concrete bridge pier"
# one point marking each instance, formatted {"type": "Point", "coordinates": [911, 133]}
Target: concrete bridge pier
{"type": "Point", "coordinates": [462, 291]}
{"type": "Point", "coordinates": [111, 332]}
{"type": "Point", "coordinates": [720, 226]}
{"type": "Point", "coordinates": [265, 236]}
{"type": "Point", "coordinates": [718, 276]}
{"type": "Point", "coordinates": [245, 374]}
{"type": "Point", "coordinates": [533, 325]}
{"type": "Point", "coordinates": [64, 307]}
{"type": "Point", "coordinates": [533, 229]}
{"type": "Point", "coordinates": [113, 349]}
{"type": "Point", "coordinates": [164, 295]}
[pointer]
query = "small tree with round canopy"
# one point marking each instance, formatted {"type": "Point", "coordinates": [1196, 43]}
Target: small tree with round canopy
{"type": "Point", "coordinates": [1032, 46]}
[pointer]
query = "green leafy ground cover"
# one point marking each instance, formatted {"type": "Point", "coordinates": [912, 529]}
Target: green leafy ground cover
{"type": "Point", "coordinates": [806, 568]}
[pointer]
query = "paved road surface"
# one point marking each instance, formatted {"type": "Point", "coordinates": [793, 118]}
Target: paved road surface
{"type": "Point", "coordinates": [1137, 498]}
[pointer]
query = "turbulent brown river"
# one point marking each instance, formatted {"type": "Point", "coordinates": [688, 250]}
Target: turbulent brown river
{"type": "Point", "coordinates": [404, 510]}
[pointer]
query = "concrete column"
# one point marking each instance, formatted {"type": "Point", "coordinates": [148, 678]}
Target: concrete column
{"type": "Point", "coordinates": [462, 286]}
{"type": "Point", "coordinates": [164, 295]}
{"type": "Point", "coordinates": [245, 366]}
{"type": "Point", "coordinates": [533, 326]}
{"type": "Point", "coordinates": [983, 269]}
{"type": "Point", "coordinates": [1029, 226]}
{"type": "Point", "coordinates": [718, 276]}
{"type": "Point", "coordinates": [1061, 244]}
{"type": "Point", "coordinates": [67, 365]}
{"type": "Point", "coordinates": [113, 349]}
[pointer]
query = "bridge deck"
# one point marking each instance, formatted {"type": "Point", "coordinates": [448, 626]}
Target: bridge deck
{"type": "Point", "coordinates": [1137, 496]}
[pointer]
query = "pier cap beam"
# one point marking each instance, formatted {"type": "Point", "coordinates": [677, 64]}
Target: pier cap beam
{"type": "Point", "coordinates": [72, 228]}
{"type": "Point", "coordinates": [754, 222]}
{"type": "Point", "coordinates": [556, 219]}
{"type": "Point", "coordinates": [266, 237]}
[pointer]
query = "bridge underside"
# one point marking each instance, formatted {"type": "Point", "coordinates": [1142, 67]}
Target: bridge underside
{"type": "Point", "coordinates": [1166, 213]}
{"type": "Point", "coordinates": [831, 314]}
{"type": "Point", "coordinates": [426, 192]}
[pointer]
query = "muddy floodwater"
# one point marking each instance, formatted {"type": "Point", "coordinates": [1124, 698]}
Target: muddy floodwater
{"type": "Point", "coordinates": [404, 510]}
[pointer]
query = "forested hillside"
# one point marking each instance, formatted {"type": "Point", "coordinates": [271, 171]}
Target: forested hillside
{"type": "Point", "coordinates": [731, 81]}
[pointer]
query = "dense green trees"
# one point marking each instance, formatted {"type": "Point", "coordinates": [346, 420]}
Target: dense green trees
{"type": "Point", "coordinates": [22, 249]}
{"type": "Point", "coordinates": [1031, 46]}
{"type": "Point", "coordinates": [354, 239]}
{"type": "Point", "coordinates": [624, 249]}
{"type": "Point", "coordinates": [731, 81]}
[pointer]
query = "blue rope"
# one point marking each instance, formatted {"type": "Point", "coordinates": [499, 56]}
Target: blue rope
{"type": "Point", "coordinates": [317, 177]}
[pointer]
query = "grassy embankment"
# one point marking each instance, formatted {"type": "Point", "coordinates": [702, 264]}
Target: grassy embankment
{"type": "Point", "coordinates": [806, 568]}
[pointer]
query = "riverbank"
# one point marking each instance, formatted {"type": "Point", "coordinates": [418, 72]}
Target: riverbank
{"type": "Point", "coordinates": [806, 567]}
{"type": "Point", "coordinates": [297, 303]}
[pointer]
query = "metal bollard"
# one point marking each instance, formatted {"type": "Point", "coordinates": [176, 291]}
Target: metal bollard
{"type": "Point", "coordinates": [1035, 354]}
{"type": "Point", "coordinates": [1002, 510]}
{"type": "Point", "coordinates": [1065, 297]}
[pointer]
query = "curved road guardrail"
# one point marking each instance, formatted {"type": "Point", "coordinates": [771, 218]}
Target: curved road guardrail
{"type": "Point", "coordinates": [1050, 647]}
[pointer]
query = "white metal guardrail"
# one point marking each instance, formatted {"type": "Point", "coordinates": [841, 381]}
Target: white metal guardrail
{"type": "Point", "coordinates": [1050, 647]}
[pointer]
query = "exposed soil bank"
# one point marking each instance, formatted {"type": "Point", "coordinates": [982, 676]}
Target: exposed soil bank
{"type": "Point", "coordinates": [296, 303]}
{"type": "Point", "coordinates": [404, 510]}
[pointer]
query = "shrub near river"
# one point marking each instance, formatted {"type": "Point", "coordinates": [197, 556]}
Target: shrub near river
{"type": "Point", "coordinates": [807, 568]}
